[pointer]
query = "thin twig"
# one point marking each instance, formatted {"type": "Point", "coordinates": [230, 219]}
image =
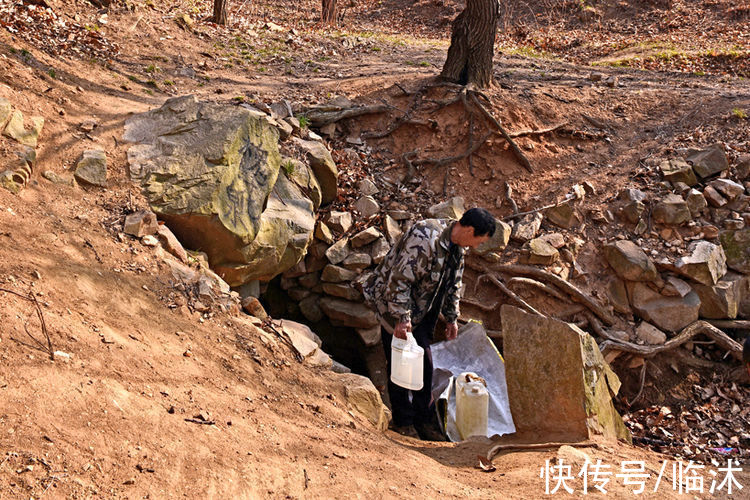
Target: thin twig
{"type": "Point", "coordinates": [32, 298]}
{"type": "Point", "coordinates": [285, 339]}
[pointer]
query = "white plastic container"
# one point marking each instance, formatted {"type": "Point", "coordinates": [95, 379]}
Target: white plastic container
{"type": "Point", "coordinates": [407, 363]}
{"type": "Point", "coordinates": [472, 404]}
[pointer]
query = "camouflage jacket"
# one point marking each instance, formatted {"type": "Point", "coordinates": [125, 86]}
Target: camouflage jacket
{"type": "Point", "coordinates": [404, 285]}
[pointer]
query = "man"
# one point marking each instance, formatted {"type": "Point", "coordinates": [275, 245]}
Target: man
{"type": "Point", "coordinates": [418, 279]}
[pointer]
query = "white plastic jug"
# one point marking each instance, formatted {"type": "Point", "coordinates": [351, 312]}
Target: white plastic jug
{"type": "Point", "coordinates": [407, 363]}
{"type": "Point", "coordinates": [472, 404]}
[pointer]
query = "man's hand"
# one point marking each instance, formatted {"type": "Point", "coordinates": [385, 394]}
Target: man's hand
{"type": "Point", "coordinates": [401, 328]}
{"type": "Point", "coordinates": [451, 331]}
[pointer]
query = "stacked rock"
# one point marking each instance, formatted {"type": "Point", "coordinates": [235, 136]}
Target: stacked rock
{"type": "Point", "coordinates": [704, 248]}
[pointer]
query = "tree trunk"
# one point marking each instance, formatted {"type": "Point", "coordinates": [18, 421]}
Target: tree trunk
{"type": "Point", "coordinates": [330, 12]}
{"type": "Point", "coordinates": [220, 11]}
{"type": "Point", "coordinates": [472, 44]}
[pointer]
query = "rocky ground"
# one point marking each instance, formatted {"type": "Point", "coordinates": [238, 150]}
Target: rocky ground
{"type": "Point", "coordinates": [155, 391]}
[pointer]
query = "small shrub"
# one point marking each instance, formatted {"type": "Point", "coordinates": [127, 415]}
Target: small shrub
{"type": "Point", "coordinates": [168, 83]}
{"type": "Point", "coordinates": [288, 167]}
{"type": "Point", "coordinates": [52, 73]}
{"type": "Point", "coordinates": [151, 69]}
{"type": "Point", "coordinates": [739, 113]}
{"type": "Point", "coordinates": [304, 121]}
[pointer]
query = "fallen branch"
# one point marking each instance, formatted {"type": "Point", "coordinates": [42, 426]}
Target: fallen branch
{"type": "Point", "coordinates": [320, 117]}
{"type": "Point", "coordinates": [41, 346]}
{"type": "Point", "coordinates": [507, 291]}
{"type": "Point", "coordinates": [693, 329]}
{"type": "Point", "coordinates": [536, 284]}
{"type": "Point", "coordinates": [576, 294]}
{"type": "Point", "coordinates": [540, 209]}
{"type": "Point", "coordinates": [537, 446]}
{"type": "Point", "coordinates": [201, 422]}
{"type": "Point", "coordinates": [516, 150]}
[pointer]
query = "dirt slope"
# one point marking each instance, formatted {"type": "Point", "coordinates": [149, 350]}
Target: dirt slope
{"type": "Point", "coordinates": [111, 422]}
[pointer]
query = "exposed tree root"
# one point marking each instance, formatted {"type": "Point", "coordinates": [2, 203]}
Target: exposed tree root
{"type": "Point", "coordinates": [576, 294]}
{"type": "Point", "coordinates": [536, 284]}
{"type": "Point", "coordinates": [693, 329]}
{"type": "Point", "coordinates": [507, 291]}
{"type": "Point", "coordinates": [479, 305]}
{"type": "Point", "coordinates": [509, 197]}
{"type": "Point", "coordinates": [516, 150]}
{"type": "Point", "coordinates": [473, 106]}
{"type": "Point", "coordinates": [734, 324]}
{"type": "Point", "coordinates": [322, 116]}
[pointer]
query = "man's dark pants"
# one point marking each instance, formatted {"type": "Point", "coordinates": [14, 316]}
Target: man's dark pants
{"type": "Point", "coordinates": [418, 410]}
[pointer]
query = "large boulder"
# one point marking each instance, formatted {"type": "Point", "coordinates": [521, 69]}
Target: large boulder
{"type": "Point", "coordinates": [678, 170]}
{"type": "Point", "coordinates": [211, 172]}
{"type": "Point", "coordinates": [302, 175]}
{"type": "Point", "coordinates": [708, 162]}
{"type": "Point", "coordinates": [493, 247]}
{"type": "Point", "coordinates": [92, 168]}
{"type": "Point", "coordinates": [706, 263]}
{"type": "Point", "coordinates": [667, 313]}
{"type": "Point", "coordinates": [736, 245]}
{"type": "Point", "coordinates": [451, 209]}
{"type": "Point", "coordinates": [564, 215]}
{"type": "Point", "coordinates": [307, 343]}
{"type": "Point", "coordinates": [630, 262]}
{"type": "Point", "coordinates": [346, 313]}
{"type": "Point", "coordinates": [322, 164]}
{"type": "Point", "coordinates": [527, 227]}
{"type": "Point", "coordinates": [672, 209]}
{"type": "Point", "coordinates": [559, 385]}
{"type": "Point", "coordinates": [364, 399]}
{"type": "Point", "coordinates": [719, 301]}
{"type": "Point", "coordinates": [5, 111]}
{"type": "Point", "coordinates": [16, 129]}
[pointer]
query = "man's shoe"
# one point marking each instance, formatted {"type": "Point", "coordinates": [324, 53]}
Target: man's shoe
{"type": "Point", "coordinates": [405, 430]}
{"type": "Point", "coordinates": [429, 432]}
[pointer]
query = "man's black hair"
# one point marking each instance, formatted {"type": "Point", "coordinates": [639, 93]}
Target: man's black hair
{"type": "Point", "coordinates": [481, 220]}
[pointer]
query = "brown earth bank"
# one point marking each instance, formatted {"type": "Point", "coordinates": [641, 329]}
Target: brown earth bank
{"type": "Point", "coordinates": [111, 422]}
